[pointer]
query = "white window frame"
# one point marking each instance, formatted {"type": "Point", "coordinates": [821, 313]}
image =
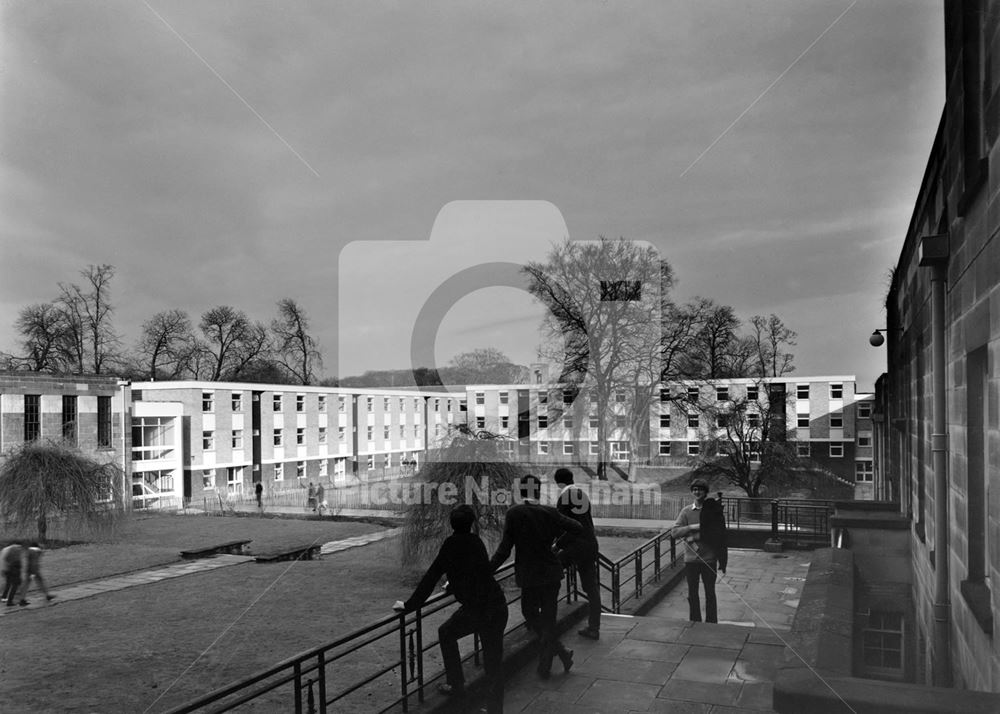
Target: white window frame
{"type": "Point", "coordinates": [543, 447]}
{"type": "Point", "coordinates": [208, 479]}
{"type": "Point", "coordinates": [664, 421]}
{"type": "Point", "coordinates": [321, 436]}
{"type": "Point", "coordinates": [300, 436]}
{"type": "Point", "coordinates": [278, 437]}
{"type": "Point", "coordinates": [836, 449]}
{"type": "Point", "coordinates": [300, 402]}
{"type": "Point", "coordinates": [277, 403]}
{"type": "Point", "coordinates": [567, 448]}
{"type": "Point", "coordinates": [208, 440]}
{"type": "Point", "coordinates": [237, 440]}
{"type": "Point", "coordinates": [803, 449]}
{"type": "Point", "coordinates": [504, 397]}
{"type": "Point", "coordinates": [800, 417]}
{"type": "Point", "coordinates": [694, 448]}
{"type": "Point", "coordinates": [864, 471]}
{"type": "Point", "coordinates": [836, 420]}
{"type": "Point", "coordinates": [321, 402]}
{"type": "Point", "coordinates": [664, 448]}
{"type": "Point", "coordinates": [279, 472]}
{"type": "Point", "coordinates": [864, 410]}
{"type": "Point", "coordinates": [236, 401]}
{"type": "Point", "coordinates": [836, 391]}
{"type": "Point", "coordinates": [799, 388]}
{"type": "Point", "coordinates": [300, 469]}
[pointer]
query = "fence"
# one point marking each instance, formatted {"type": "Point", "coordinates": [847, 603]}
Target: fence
{"type": "Point", "coordinates": [304, 683]}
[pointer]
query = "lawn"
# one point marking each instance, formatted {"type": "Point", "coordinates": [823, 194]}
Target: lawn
{"type": "Point", "coordinates": [150, 647]}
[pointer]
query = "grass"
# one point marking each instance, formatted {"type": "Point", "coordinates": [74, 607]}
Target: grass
{"type": "Point", "coordinates": [151, 647]}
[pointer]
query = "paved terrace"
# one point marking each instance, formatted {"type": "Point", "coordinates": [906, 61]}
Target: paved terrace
{"type": "Point", "coordinates": [663, 663]}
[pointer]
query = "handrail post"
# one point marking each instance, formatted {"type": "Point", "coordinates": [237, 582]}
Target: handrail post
{"type": "Point", "coordinates": [656, 560]}
{"type": "Point", "coordinates": [310, 698]}
{"type": "Point", "coordinates": [774, 518]}
{"type": "Point", "coordinates": [638, 574]}
{"type": "Point", "coordinates": [322, 682]}
{"type": "Point", "coordinates": [402, 660]}
{"type": "Point", "coordinates": [297, 670]}
{"type": "Point", "coordinates": [418, 626]}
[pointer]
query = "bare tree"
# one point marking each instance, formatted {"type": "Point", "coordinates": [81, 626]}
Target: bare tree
{"type": "Point", "coordinates": [715, 341]}
{"type": "Point", "coordinates": [167, 345]}
{"type": "Point", "coordinates": [88, 312]}
{"type": "Point", "coordinates": [44, 337]}
{"type": "Point", "coordinates": [294, 348]}
{"type": "Point", "coordinates": [233, 342]}
{"type": "Point", "coordinates": [770, 338]}
{"type": "Point", "coordinates": [604, 301]}
{"type": "Point", "coordinates": [484, 365]}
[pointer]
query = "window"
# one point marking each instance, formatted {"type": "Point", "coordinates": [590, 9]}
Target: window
{"type": "Point", "coordinates": [300, 469]}
{"type": "Point", "coordinates": [480, 422]}
{"type": "Point", "coordinates": [721, 420]}
{"type": "Point", "coordinates": [593, 448]}
{"type": "Point", "coordinates": [208, 479]}
{"type": "Point", "coordinates": [385, 433]}
{"type": "Point", "coordinates": [664, 448]}
{"type": "Point", "coordinates": [322, 435]}
{"type": "Point", "coordinates": [802, 421]}
{"type": "Point", "coordinates": [69, 418]}
{"type": "Point", "coordinates": [208, 440]}
{"type": "Point", "coordinates": [802, 391]}
{"type": "Point", "coordinates": [693, 421]}
{"type": "Point", "coordinates": [341, 405]}
{"type": "Point", "coordinates": [722, 394]}
{"type": "Point", "coordinates": [802, 449]}
{"type": "Point", "coordinates": [664, 395]}
{"type": "Point", "coordinates": [567, 448]}
{"type": "Point", "coordinates": [371, 462]}
{"type": "Point", "coordinates": [543, 397]}
{"type": "Point", "coordinates": [543, 447]}
{"type": "Point", "coordinates": [753, 394]}
{"type": "Point", "coordinates": [276, 402]}
{"type": "Point", "coordinates": [234, 479]}
{"type": "Point", "coordinates": [152, 438]}
{"type": "Point", "coordinates": [504, 422]}
{"type": "Point", "coordinates": [504, 398]}
{"type": "Point", "coordinates": [278, 438]}
{"type": "Point", "coordinates": [324, 468]}
{"type": "Point", "coordinates": [863, 471]}
{"type": "Point", "coordinates": [341, 433]}
{"type": "Point", "coordinates": [480, 398]}
{"type": "Point", "coordinates": [279, 472]}
{"type": "Point", "coordinates": [567, 421]}
{"type": "Point", "coordinates": [864, 439]}
{"type": "Point", "coordinates": [621, 421]}
{"type": "Point", "coordinates": [236, 401]}
{"type": "Point", "coordinates": [416, 405]}
{"type": "Point", "coordinates": [402, 405]}
{"type": "Point", "coordinates": [864, 410]}
{"type": "Point", "coordinates": [300, 402]}
{"type": "Point", "coordinates": [836, 450]}
{"type": "Point", "coordinates": [836, 391]}
{"type": "Point", "coordinates": [619, 450]}
{"type": "Point", "coordinates": [753, 420]}
{"type": "Point", "coordinates": [385, 404]}
{"type": "Point", "coordinates": [300, 436]}
{"type": "Point", "coordinates": [370, 404]}
{"type": "Point", "coordinates": [882, 643]}
{"type": "Point", "coordinates": [837, 420]}
{"type": "Point", "coordinates": [103, 422]}
{"type": "Point", "coordinates": [32, 416]}
{"type": "Point", "coordinates": [620, 397]}
{"type": "Point", "coordinates": [694, 448]}
{"type": "Point", "coordinates": [664, 421]}
{"type": "Point", "coordinates": [463, 406]}
{"type": "Point", "coordinates": [543, 421]}
{"type": "Point", "coordinates": [567, 396]}
{"type": "Point", "coordinates": [692, 394]}
{"type": "Point", "coordinates": [207, 401]}
{"type": "Point", "coordinates": [237, 440]}
{"type": "Point", "coordinates": [593, 400]}
{"type": "Point", "coordinates": [592, 421]}
{"type": "Point", "coordinates": [321, 403]}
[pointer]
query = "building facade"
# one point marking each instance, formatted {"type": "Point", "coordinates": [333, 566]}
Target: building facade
{"type": "Point", "coordinates": [938, 406]}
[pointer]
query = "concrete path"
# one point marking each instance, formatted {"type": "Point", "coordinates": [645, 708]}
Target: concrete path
{"type": "Point", "coordinates": [90, 588]}
{"type": "Point", "coordinates": [663, 663]}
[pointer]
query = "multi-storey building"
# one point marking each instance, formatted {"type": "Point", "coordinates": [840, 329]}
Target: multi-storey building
{"type": "Point", "coordinates": [827, 419]}
{"type": "Point", "coordinates": [90, 413]}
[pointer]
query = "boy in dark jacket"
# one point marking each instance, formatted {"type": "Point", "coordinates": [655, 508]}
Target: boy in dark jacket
{"type": "Point", "coordinates": [463, 560]}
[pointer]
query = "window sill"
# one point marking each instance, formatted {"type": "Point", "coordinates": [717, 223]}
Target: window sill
{"type": "Point", "coordinates": [977, 597]}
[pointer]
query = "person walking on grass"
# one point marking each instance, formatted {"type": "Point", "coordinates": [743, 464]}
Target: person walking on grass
{"type": "Point", "coordinates": [13, 560]}
{"type": "Point", "coordinates": [483, 607]}
{"type": "Point", "coordinates": [320, 499]}
{"type": "Point", "coordinates": [33, 569]}
{"type": "Point", "coordinates": [311, 497]}
{"type": "Point", "coordinates": [259, 490]}
{"type": "Point", "coordinates": [531, 529]}
{"type": "Point", "coordinates": [700, 558]}
{"type": "Point", "coordinates": [580, 550]}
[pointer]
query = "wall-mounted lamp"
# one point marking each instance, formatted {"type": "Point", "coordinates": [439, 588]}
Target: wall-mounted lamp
{"type": "Point", "coordinates": [877, 339]}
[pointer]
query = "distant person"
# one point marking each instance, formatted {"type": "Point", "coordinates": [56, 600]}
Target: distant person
{"type": "Point", "coordinates": [483, 608]}
{"type": "Point", "coordinates": [531, 530]}
{"type": "Point", "coordinates": [580, 550]}
{"type": "Point", "coordinates": [311, 497]}
{"type": "Point", "coordinates": [700, 560]}
{"type": "Point", "coordinates": [33, 569]}
{"type": "Point", "coordinates": [320, 498]}
{"type": "Point", "coordinates": [12, 567]}
{"type": "Point", "coordinates": [259, 490]}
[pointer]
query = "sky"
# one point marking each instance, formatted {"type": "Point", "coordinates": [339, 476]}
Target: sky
{"type": "Point", "coordinates": [364, 157]}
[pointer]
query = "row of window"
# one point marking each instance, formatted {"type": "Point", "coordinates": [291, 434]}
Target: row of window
{"type": "Point", "coordinates": [70, 414]}
{"type": "Point", "coordinates": [278, 400]}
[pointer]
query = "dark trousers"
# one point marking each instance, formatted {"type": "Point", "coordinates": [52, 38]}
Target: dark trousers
{"type": "Point", "coordinates": [590, 581]}
{"type": "Point", "coordinates": [12, 583]}
{"type": "Point", "coordinates": [489, 624]}
{"type": "Point", "coordinates": [539, 605]}
{"type": "Point", "coordinates": [705, 571]}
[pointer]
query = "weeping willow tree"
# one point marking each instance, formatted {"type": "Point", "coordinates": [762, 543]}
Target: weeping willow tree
{"type": "Point", "coordinates": [43, 482]}
{"type": "Point", "coordinates": [471, 467]}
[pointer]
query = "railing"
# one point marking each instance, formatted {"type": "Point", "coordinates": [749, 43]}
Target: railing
{"type": "Point", "coordinates": [305, 683]}
{"type": "Point", "coordinates": [801, 520]}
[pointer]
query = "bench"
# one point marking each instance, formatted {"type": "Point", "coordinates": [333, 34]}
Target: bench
{"type": "Point", "coordinates": [304, 552]}
{"type": "Point", "coordinates": [233, 547]}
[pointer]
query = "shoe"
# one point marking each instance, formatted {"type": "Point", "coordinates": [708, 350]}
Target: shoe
{"type": "Point", "coordinates": [450, 691]}
{"type": "Point", "coordinates": [22, 603]}
{"type": "Point", "coordinates": [566, 656]}
{"type": "Point", "coordinates": [10, 604]}
{"type": "Point", "coordinates": [590, 633]}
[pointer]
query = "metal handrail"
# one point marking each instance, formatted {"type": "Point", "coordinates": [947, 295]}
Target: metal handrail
{"type": "Point", "coordinates": [307, 671]}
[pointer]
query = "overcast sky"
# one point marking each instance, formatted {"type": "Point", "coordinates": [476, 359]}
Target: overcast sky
{"type": "Point", "coordinates": [355, 155]}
